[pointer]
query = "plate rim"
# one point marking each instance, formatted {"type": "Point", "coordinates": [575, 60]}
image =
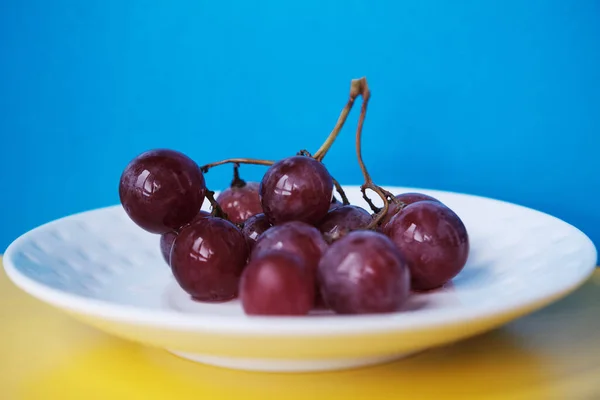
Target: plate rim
{"type": "Point", "coordinates": [291, 326]}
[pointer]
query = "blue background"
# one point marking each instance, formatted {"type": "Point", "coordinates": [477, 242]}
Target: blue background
{"type": "Point", "coordinates": [496, 98]}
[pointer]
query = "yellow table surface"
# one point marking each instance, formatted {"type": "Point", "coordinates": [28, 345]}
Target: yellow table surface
{"type": "Point", "coordinates": [551, 354]}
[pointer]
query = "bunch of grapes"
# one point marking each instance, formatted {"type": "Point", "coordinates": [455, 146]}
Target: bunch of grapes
{"type": "Point", "coordinates": [287, 245]}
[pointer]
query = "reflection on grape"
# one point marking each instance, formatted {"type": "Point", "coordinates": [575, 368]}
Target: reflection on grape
{"type": "Point", "coordinates": [335, 203]}
{"type": "Point", "coordinates": [166, 243]}
{"type": "Point", "coordinates": [254, 227]}
{"type": "Point", "coordinates": [406, 198]}
{"type": "Point", "coordinates": [161, 190]}
{"type": "Point", "coordinates": [167, 239]}
{"type": "Point", "coordinates": [294, 237]}
{"type": "Point", "coordinates": [240, 203]}
{"type": "Point", "coordinates": [362, 273]}
{"type": "Point", "coordinates": [434, 241]}
{"type": "Point", "coordinates": [208, 258]}
{"type": "Point", "coordinates": [342, 220]}
{"type": "Point", "coordinates": [297, 188]}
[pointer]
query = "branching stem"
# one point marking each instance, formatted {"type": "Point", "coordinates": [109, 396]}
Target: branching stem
{"type": "Point", "coordinates": [217, 211]}
{"type": "Point", "coordinates": [385, 196]}
{"type": "Point", "coordinates": [354, 92]}
{"type": "Point", "coordinates": [341, 192]}
{"type": "Point", "coordinates": [238, 161]}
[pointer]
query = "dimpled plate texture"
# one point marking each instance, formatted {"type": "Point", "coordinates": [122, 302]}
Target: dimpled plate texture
{"type": "Point", "coordinates": [104, 270]}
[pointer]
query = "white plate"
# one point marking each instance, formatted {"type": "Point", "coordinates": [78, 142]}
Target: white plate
{"type": "Point", "coordinates": [104, 270]}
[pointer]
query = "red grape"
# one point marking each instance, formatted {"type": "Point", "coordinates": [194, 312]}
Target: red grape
{"type": "Point", "coordinates": [167, 238]}
{"type": "Point", "coordinates": [277, 284]}
{"type": "Point", "coordinates": [297, 188]}
{"type": "Point", "coordinates": [208, 258]}
{"type": "Point", "coordinates": [240, 203]}
{"type": "Point", "coordinates": [406, 198]}
{"type": "Point", "coordinates": [162, 190]}
{"type": "Point", "coordinates": [293, 237]}
{"type": "Point", "coordinates": [254, 227]}
{"type": "Point", "coordinates": [342, 220]}
{"type": "Point", "coordinates": [434, 241]}
{"type": "Point", "coordinates": [335, 203]}
{"type": "Point", "coordinates": [201, 214]}
{"type": "Point", "coordinates": [166, 244]}
{"type": "Point", "coordinates": [363, 273]}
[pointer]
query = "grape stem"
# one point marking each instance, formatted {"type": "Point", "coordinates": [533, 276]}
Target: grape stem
{"type": "Point", "coordinates": [386, 197]}
{"type": "Point", "coordinates": [340, 191]}
{"type": "Point", "coordinates": [354, 92]}
{"type": "Point", "coordinates": [217, 211]}
{"type": "Point", "coordinates": [304, 153]}
{"type": "Point", "coordinates": [237, 161]}
{"type": "Point", "coordinates": [237, 182]}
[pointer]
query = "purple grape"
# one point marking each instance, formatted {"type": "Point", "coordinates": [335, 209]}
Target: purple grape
{"type": "Point", "coordinates": [297, 188]}
{"type": "Point", "coordinates": [342, 220]}
{"type": "Point", "coordinates": [254, 227]}
{"type": "Point", "coordinates": [293, 237]}
{"type": "Point", "coordinates": [335, 203]}
{"type": "Point", "coordinates": [166, 244]}
{"type": "Point", "coordinates": [201, 214]}
{"type": "Point", "coordinates": [364, 273]}
{"type": "Point", "coordinates": [277, 283]}
{"type": "Point", "coordinates": [167, 238]}
{"type": "Point", "coordinates": [434, 241]}
{"type": "Point", "coordinates": [240, 203]}
{"type": "Point", "coordinates": [406, 198]}
{"type": "Point", "coordinates": [162, 190]}
{"type": "Point", "coordinates": [208, 258]}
